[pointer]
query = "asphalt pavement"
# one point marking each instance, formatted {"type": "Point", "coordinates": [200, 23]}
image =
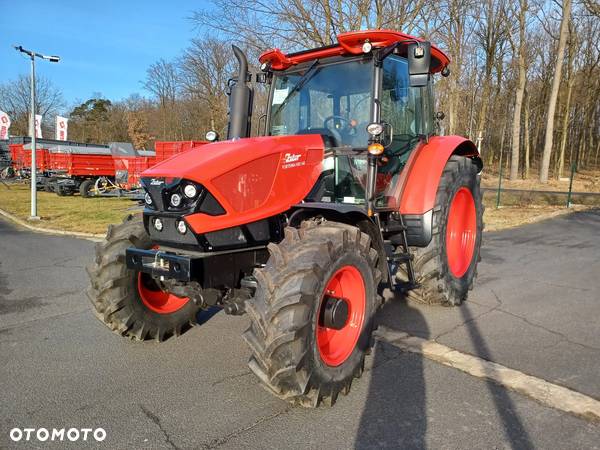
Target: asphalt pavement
{"type": "Point", "coordinates": [535, 308]}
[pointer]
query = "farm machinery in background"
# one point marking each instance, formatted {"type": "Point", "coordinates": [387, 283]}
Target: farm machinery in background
{"type": "Point", "coordinates": [67, 167]}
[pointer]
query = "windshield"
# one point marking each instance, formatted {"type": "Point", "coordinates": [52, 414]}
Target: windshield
{"type": "Point", "coordinates": [333, 100]}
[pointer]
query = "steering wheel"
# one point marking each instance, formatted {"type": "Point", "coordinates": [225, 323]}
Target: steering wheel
{"type": "Point", "coordinates": [347, 123]}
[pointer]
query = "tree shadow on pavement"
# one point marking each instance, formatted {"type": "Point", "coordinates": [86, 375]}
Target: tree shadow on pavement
{"type": "Point", "coordinates": [395, 413]}
{"type": "Point", "coordinates": [514, 430]}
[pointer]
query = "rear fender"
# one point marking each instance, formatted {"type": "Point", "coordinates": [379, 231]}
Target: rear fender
{"type": "Point", "coordinates": [421, 176]}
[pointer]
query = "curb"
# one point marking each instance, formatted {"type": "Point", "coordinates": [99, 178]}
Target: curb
{"type": "Point", "coordinates": [79, 234]}
{"type": "Point", "coordinates": [545, 392]}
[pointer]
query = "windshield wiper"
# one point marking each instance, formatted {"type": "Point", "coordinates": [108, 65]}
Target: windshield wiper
{"type": "Point", "coordinates": [299, 85]}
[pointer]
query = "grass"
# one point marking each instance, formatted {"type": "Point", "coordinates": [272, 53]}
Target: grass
{"type": "Point", "coordinates": [74, 213]}
{"type": "Point", "coordinates": [93, 215]}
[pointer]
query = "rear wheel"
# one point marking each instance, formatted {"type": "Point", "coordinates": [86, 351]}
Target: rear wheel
{"type": "Point", "coordinates": [312, 314]}
{"type": "Point", "coordinates": [61, 191]}
{"type": "Point", "coordinates": [446, 268]}
{"type": "Point", "coordinates": [132, 303]}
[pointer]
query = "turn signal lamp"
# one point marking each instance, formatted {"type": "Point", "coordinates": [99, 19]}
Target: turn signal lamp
{"type": "Point", "coordinates": [375, 149]}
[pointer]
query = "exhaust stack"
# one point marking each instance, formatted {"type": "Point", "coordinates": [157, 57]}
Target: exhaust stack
{"type": "Point", "coordinates": [240, 100]}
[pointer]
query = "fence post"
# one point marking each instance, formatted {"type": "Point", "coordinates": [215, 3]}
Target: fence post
{"type": "Point", "coordinates": [573, 165]}
{"type": "Point", "coordinates": [499, 182]}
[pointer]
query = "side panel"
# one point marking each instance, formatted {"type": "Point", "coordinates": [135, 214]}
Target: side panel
{"type": "Point", "coordinates": [424, 169]}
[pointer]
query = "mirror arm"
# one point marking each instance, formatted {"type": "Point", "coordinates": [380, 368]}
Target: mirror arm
{"type": "Point", "coordinates": [387, 51]}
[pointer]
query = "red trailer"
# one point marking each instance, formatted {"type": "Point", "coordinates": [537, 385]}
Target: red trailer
{"type": "Point", "coordinates": [67, 167]}
{"type": "Point", "coordinates": [166, 149]}
{"type": "Point", "coordinates": [128, 170]}
{"type": "Point", "coordinates": [21, 157]}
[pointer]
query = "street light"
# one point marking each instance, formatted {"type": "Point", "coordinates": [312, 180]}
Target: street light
{"type": "Point", "coordinates": [55, 59]}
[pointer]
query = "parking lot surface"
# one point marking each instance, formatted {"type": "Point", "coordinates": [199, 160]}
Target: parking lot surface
{"type": "Point", "coordinates": [535, 308]}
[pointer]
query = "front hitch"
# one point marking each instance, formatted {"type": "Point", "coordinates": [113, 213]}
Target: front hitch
{"type": "Point", "coordinates": [160, 264]}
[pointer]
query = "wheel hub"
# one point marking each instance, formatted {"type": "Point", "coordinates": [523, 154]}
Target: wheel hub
{"type": "Point", "coordinates": [334, 313]}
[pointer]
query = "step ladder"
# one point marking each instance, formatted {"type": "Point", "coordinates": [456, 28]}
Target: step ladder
{"type": "Point", "coordinates": [404, 257]}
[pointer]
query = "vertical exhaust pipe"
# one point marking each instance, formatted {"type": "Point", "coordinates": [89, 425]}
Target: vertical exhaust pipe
{"type": "Point", "coordinates": [240, 100]}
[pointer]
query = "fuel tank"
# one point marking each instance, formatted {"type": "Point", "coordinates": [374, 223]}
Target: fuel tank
{"type": "Point", "coordinates": [251, 178]}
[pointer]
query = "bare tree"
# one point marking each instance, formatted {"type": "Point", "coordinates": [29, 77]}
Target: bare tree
{"type": "Point", "coordinates": [162, 81]}
{"type": "Point", "coordinates": [491, 32]}
{"type": "Point", "coordinates": [570, 79]}
{"type": "Point", "coordinates": [205, 68]}
{"type": "Point", "coordinates": [15, 99]}
{"type": "Point", "coordinates": [521, 47]}
{"type": "Point", "coordinates": [296, 24]}
{"type": "Point", "coordinates": [560, 53]}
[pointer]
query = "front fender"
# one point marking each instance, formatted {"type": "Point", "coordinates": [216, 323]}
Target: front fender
{"type": "Point", "coordinates": [424, 169]}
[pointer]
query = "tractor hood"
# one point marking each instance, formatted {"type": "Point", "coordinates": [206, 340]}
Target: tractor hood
{"type": "Point", "coordinates": [251, 178]}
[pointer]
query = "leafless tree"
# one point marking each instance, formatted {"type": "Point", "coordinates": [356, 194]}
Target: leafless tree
{"type": "Point", "coordinates": [562, 40]}
{"type": "Point", "coordinates": [520, 48]}
{"type": "Point", "coordinates": [15, 99]}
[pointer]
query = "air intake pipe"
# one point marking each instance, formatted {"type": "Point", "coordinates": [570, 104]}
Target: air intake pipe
{"type": "Point", "coordinates": [240, 99]}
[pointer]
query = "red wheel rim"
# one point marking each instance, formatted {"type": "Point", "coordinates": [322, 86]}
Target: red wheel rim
{"type": "Point", "coordinates": [461, 232]}
{"type": "Point", "coordinates": [157, 300]}
{"type": "Point", "coordinates": [335, 346]}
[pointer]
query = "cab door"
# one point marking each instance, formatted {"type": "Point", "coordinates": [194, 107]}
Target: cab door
{"type": "Point", "coordinates": [408, 112]}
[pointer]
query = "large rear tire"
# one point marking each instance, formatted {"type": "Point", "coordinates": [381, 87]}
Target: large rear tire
{"type": "Point", "coordinates": [298, 352]}
{"type": "Point", "coordinates": [446, 269]}
{"type": "Point", "coordinates": [130, 303]}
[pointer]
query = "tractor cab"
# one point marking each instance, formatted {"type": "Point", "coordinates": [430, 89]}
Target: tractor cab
{"type": "Point", "coordinates": [372, 88]}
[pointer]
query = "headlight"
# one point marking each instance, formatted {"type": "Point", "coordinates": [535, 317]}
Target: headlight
{"type": "Point", "coordinates": [181, 227]}
{"type": "Point", "coordinates": [211, 136]}
{"type": "Point", "coordinates": [148, 199]}
{"type": "Point", "coordinates": [175, 200]}
{"type": "Point", "coordinates": [158, 224]}
{"type": "Point", "coordinates": [374, 129]}
{"type": "Point", "coordinates": [190, 191]}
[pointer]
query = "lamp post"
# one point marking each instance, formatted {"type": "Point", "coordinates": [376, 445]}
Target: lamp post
{"type": "Point", "coordinates": [32, 55]}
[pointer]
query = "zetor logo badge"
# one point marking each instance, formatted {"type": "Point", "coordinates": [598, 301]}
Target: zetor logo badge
{"type": "Point", "coordinates": [292, 160]}
{"type": "Point", "coordinates": [156, 182]}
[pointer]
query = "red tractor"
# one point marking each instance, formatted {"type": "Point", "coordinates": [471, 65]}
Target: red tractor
{"type": "Point", "coordinates": [349, 191]}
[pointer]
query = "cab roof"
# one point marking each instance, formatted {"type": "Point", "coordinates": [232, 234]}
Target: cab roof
{"type": "Point", "coordinates": [350, 44]}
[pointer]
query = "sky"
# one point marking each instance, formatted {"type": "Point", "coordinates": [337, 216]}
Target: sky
{"type": "Point", "coordinates": [105, 46]}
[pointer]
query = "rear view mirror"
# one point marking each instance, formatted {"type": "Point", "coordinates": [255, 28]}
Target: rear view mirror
{"type": "Point", "coordinates": [419, 59]}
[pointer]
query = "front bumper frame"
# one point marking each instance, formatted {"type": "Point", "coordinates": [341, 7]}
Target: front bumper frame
{"type": "Point", "coordinates": [160, 264]}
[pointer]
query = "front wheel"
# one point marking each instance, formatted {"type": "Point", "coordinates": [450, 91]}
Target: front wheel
{"type": "Point", "coordinates": [85, 188]}
{"type": "Point", "coordinates": [446, 269]}
{"type": "Point", "coordinates": [312, 314]}
{"type": "Point", "coordinates": [133, 304]}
